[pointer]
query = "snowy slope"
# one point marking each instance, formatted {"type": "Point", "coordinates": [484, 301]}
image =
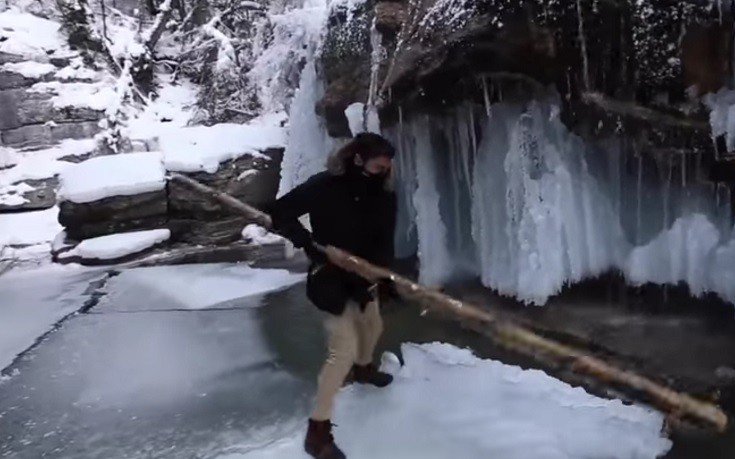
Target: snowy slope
{"type": "Point", "coordinates": [447, 403]}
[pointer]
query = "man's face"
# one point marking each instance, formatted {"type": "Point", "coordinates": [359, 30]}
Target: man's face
{"type": "Point", "coordinates": [379, 165]}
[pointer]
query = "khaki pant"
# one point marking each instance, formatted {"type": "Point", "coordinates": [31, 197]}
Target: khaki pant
{"type": "Point", "coordinates": [351, 338]}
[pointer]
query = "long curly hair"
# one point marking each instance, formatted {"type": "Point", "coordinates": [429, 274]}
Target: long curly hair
{"type": "Point", "coordinates": [367, 145]}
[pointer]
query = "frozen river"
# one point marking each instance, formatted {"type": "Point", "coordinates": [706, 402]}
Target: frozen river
{"type": "Point", "coordinates": [219, 361]}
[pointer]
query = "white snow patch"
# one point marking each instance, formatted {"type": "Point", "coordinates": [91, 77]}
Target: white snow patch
{"type": "Point", "coordinates": [203, 286]}
{"type": "Point", "coordinates": [117, 245]}
{"type": "Point", "coordinates": [203, 148]}
{"type": "Point", "coordinates": [28, 69]}
{"type": "Point", "coordinates": [77, 71]}
{"type": "Point", "coordinates": [8, 157]}
{"type": "Point", "coordinates": [172, 110]}
{"type": "Point", "coordinates": [450, 403]}
{"type": "Point", "coordinates": [116, 175]}
{"type": "Point", "coordinates": [96, 96]}
{"type": "Point", "coordinates": [287, 39]}
{"type": "Point", "coordinates": [12, 195]}
{"type": "Point", "coordinates": [355, 114]}
{"type": "Point", "coordinates": [28, 228]}
{"type": "Point", "coordinates": [42, 164]}
{"type": "Point", "coordinates": [31, 36]}
{"type": "Point", "coordinates": [258, 235]}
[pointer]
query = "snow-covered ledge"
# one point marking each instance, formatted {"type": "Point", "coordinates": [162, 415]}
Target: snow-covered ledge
{"type": "Point", "coordinates": [114, 248]}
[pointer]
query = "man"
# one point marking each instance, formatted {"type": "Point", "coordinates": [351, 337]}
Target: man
{"type": "Point", "coordinates": [351, 207]}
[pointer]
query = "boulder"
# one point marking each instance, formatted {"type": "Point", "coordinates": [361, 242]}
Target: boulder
{"type": "Point", "coordinates": [208, 232]}
{"type": "Point", "coordinates": [251, 179]}
{"type": "Point", "coordinates": [199, 220]}
{"type": "Point", "coordinates": [113, 215]}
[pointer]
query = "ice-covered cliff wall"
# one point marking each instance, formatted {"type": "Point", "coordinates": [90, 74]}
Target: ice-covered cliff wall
{"type": "Point", "coordinates": [506, 192]}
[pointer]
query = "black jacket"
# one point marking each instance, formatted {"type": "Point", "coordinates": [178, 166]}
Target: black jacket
{"type": "Point", "coordinates": [345, 212]}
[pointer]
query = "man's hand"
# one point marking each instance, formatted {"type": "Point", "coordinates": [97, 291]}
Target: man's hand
{"type": "Point", "coordinates": [315, 255]}
{"type": "Point", "coordinates": [385, 290]}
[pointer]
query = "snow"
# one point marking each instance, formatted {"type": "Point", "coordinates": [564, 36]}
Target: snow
{"type": "Point", "coordinates": [201, 286]}
{"type": "Point", "coordinates": [355, 114]}
{"type": "Point", "coordinates": [171, 111]}
{"type": "Point", "coordinates": [95, 96]}
{"type": "Point", "coordinates": [8, 157]}
{"type": "Point", "coordinates": [77, 71]}
{"type": "Point", "coordinates": [450, 403]}
{"type": "Point", "coordinates": [284, 42]}
{"type": "Point", "coordinates": [12, 195]}
{"type": "Point", "coordinates": [31, 36]}
{"type": "Point", "coordinates": [258, 235]}
{"type": "Point", "coordinates": [116, 175]}
{"type": "Point", "coordinates": [204, 148]}
{"type": "Point", "coordinates": [33, 300]}
{"type": "Point", "coordinates": [29, 228]}
{"type": "Point", "coordinates": [36, 165]}
{"type": "Point", "coordinates": [28, 69]}
{"type": "Point", "coordinates": [119, 245]}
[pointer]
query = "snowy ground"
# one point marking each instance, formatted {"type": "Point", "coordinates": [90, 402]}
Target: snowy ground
{"type": "Point", "coordinates": [202, 361]}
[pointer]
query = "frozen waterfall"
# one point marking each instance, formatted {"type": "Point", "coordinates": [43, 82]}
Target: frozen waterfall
{"type": "Point", "coordinates": [510, 195]}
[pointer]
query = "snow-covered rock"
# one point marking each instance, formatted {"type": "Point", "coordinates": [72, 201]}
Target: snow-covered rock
{"type": "Point", "coordinates": [114, 248]}
{"type": "Point", "coordinates": [116, 175]}
{"type": "Point", "coordinates": [204, 148]}
{"type": "Point", "coordinates": [31, 36]}
{"type": "Point", "coordinates": [112, 194]}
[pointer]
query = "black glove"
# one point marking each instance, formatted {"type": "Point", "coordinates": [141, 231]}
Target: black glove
{"type": "Point", "coordinates": [315, 255]}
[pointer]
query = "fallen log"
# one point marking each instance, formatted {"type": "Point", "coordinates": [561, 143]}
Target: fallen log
{"type": "Point", "coordinates": [502, 331]}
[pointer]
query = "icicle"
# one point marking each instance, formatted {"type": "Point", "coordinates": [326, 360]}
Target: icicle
{"type": "Point", "coordinates": [370, 120]}
{"type": "Point", "coordinates": [683, 170]}
{"type": "Point", "coordinates": [667, 191]}
{"type": "Point", "coordinates": [639, 193]}
{"type": "Point", "coordinates": [719, 10]}
{"type": "Point", "coordinates": [583, 46]}
{"type": "Point", "coordinates": [487, 97]}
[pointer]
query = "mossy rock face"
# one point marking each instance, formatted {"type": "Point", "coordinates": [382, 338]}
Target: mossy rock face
{"type": "Point", "coordinates": [345, 64]}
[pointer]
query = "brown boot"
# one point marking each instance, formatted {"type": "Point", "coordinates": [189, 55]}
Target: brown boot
{"type": "Point", "coordinates": [319, 441]}
{"type": "Point", "coordinates": [369, 374]}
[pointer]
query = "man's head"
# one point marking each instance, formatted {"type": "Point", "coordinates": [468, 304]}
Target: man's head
{"type": "Point", "coordinates": [368, 154]}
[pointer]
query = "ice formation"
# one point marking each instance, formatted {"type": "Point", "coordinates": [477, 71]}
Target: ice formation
{"type": "Point", "coordinates": [450, 403]}
{"type": "Point", "coordinates": [308, 143]}
{"type": "Point", "coordinates": [517, 199]}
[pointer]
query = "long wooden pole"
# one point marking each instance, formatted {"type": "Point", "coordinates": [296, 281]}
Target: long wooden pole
{"type": "Point", "coordinates": [503, 332]}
